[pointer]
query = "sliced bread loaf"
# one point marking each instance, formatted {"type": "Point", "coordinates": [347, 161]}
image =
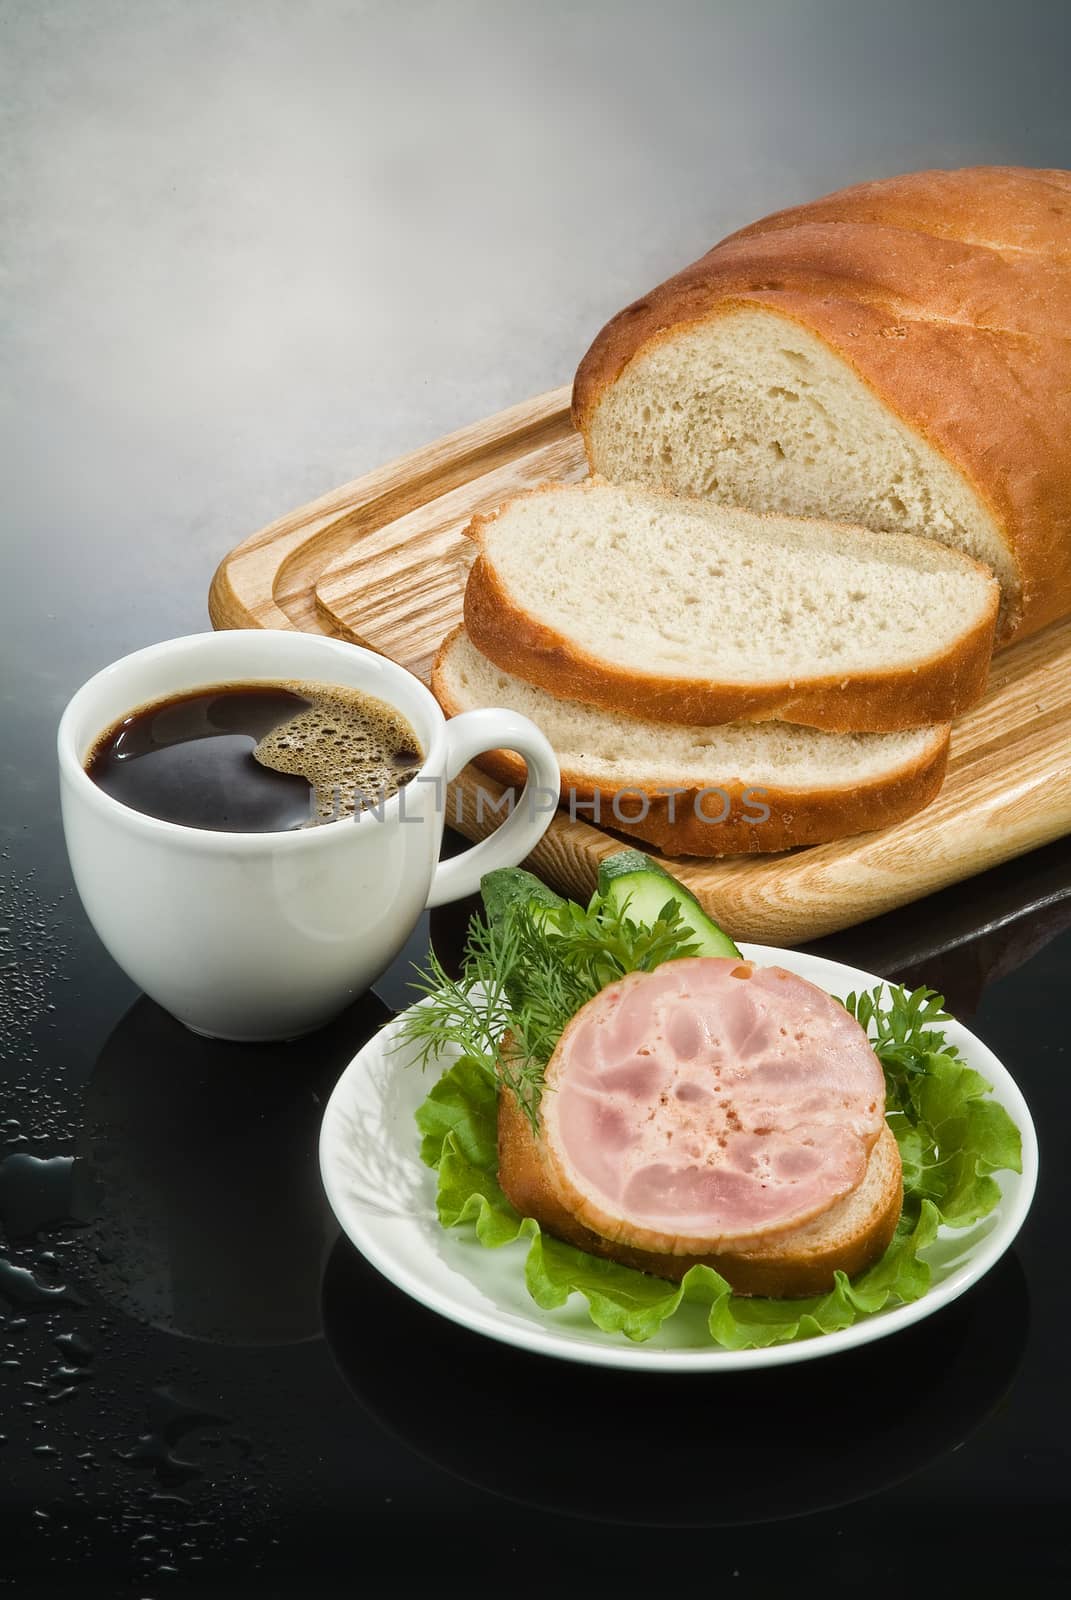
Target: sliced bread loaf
{"type": "Point", "coordinates": [687, 612]}
{"type": "Point", "coordinates": [703, 790]}
{"type": "Point", "coordinates": [897, 355]}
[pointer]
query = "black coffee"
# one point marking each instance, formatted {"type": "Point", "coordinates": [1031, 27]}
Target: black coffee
{"type": "Point", "coordinates": [257, 757]}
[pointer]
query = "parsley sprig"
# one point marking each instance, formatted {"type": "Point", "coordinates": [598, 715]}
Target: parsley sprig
{"type": "Point", "coordinates": [904, 1033]}
{"type": "Point", "coordinates": [952, 1135]}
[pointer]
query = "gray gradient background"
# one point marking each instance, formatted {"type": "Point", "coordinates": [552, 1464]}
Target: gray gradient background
{"type": "Point", "coordinates": [253, 248]}
{"type": "Point", "coordinates": [250, 249]}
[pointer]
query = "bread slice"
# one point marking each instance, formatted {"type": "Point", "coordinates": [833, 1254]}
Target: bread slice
{"type": "Point", "coordinates": [817, 786]}
{"type": "Point", "coordinates": [802, 1261]}
{"type": "Point", "coordinates": [897, 354]}
{"type": "Point", "coordinates": [687, 612]}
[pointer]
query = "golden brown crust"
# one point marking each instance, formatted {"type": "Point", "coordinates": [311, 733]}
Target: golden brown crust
{"type": "Point", "coordinates": [777, 1266]}
{"type": "Point", "coordinates": [938, 689]}
{"type": "Point", "coordinates": [671, 823]}
{"type": "Point", "coordinates": [796, 818]}
{"type": "Point", "coordinates": [949, 295]}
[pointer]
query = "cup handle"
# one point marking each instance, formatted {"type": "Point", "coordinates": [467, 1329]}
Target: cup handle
{"type": "Point", "coordinates": [466, 736]}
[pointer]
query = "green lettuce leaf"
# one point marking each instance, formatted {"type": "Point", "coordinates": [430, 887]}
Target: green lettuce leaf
{"type": "Point", "coordinates": [464, 1102]}
{"type": "Point", "coordinates": [952, 1137]}
{"type": "Point", "coordinates": [957, 1139]}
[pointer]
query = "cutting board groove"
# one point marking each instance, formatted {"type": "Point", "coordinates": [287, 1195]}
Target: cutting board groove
{"type": "Point", "coordinates": [382, 561]}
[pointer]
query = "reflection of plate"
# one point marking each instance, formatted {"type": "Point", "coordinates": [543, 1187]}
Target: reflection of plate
{"type": "Point", "coordinates": [385, 1200]}
{"type": "Point", "coordinates": [801, 1439]}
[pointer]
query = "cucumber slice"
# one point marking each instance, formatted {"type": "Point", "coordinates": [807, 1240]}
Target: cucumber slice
{"type": "Point", "coordinates": [505, 886]}
{"type": "Point", "coordinates": [630, 876]}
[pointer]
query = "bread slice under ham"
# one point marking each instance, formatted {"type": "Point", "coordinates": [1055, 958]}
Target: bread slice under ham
{"type": "Point", "coordinates": [784, 1169]}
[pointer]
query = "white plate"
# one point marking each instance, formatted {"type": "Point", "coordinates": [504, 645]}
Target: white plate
{"type": "Point", "coordinates": [384, 1198]}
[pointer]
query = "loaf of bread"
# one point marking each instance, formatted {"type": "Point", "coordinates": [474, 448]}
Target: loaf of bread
{"type": "Point", "coordinates": [730, 790]}
{"type": "Point", "coordinates": [680, 611]}
{"type": "Point", "coordinates": [897, 355]}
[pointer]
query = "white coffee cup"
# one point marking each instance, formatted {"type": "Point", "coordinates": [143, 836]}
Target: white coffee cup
{"type": "Point", "coordinates": [258, 936]}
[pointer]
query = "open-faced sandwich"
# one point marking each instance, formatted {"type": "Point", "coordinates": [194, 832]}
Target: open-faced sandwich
{"type": "Point", "coordinates": [667, 1119]}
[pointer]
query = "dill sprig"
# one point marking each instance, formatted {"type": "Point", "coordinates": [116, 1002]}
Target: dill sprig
{"type": "Point", "coordinates": [525, 974]}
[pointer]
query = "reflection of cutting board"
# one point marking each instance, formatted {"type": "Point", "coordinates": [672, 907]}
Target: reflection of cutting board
{"type": "Point", "coordinates": [382, 561]}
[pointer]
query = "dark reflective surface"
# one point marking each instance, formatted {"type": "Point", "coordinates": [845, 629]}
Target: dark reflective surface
{"type": "Point", "coordinates": [254, 251]}
{"type": "Point", "coordinates": [718, 1451]}
{"type": "Point", "coordinates": [204, 1223]}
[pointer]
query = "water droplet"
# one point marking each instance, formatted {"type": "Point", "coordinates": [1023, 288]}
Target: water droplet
{"type": "Point", "coordinates": [39, 1192]}
{"type": "Point", "coordinates": [20, 1288]}
{"type": "Point", "coordinates": [172, 1419]}
{"type": "Point", "coordinates": [63, 1374]}
{"type": "Point", "coordinates": [72, 1344]}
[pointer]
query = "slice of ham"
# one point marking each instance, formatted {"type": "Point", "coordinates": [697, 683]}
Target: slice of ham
{"type": "Point", "coordinates": [709, 1103]}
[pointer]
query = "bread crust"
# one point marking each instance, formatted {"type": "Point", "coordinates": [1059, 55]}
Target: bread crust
{"type": "Point", "coordinates": [797, 817]}
{"type": "Point", "coordinates": [949, 295]}
{"type": "Point", "coordinates": [936, 690]}
{"type": "Point", "coordinates": [940, 688]}
{"type": "Point", "coordinates": [792, 1264]}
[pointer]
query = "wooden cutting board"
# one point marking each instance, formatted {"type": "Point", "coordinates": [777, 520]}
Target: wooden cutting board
{"type": "Point", "coordinates": [382, 561]}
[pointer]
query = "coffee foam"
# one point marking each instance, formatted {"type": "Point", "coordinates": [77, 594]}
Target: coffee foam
{"type": "Point", "coordinates": [345, 746]}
